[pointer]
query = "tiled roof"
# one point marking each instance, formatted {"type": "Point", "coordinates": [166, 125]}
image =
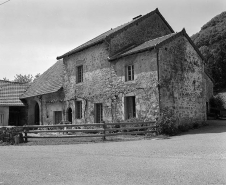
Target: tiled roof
{"type": "Point", "coordinates": [110, 32]}
{"type": "Point", "coordinates": [158, 42]}
{"type": "Point", "coordinates": [148, 44]}
{"type": "Point", "coordinates": [50, 81]}
{"type": "Point", "coordinates": [10, 93]}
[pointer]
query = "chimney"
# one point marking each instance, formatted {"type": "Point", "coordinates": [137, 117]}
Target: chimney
{"type": "Point", "coordinates": [137, 17]}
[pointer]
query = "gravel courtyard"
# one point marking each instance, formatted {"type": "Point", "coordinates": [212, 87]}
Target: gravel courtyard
{"type": "Point", "coordinates": [196, 157]}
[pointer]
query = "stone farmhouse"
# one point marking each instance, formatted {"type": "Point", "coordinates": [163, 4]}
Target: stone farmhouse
{"type": "Point", "coordinates": [12, 110]}
{"type": "Point", "coordinates": [136, 70]}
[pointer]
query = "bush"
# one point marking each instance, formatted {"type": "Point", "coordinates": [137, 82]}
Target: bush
{"type": "Point", "coordinates": [166, 123]}
{"type": "Point", "coordinates": [183, 128]}
{"type": "Point", "coordinates": [217, 102]}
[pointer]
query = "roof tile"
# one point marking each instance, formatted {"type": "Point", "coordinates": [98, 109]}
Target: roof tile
{"type": "Point", "coordinates": [50, 81]}
{"type": "Point", "coordinates": [10, 93]}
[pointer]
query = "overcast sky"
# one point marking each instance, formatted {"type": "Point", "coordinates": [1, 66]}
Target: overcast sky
{"type": "Point", "coordinates": [34, 32]}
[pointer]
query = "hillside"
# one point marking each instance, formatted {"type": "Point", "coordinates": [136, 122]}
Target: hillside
{"type": "Point", "coordinates": [211, 40]}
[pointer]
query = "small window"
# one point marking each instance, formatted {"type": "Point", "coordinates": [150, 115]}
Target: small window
{"type": "Point", "coordinates": [130, 73]}
{"type": "Point", "coordinates": [2, 119]}
{"type": "Point", "coordinates": [58, 117]}
{"type": "Point", "coordinates": [130, 107]}
{"type": "Point", "coordinates": [79, 74]}
{"type": "Point", "coordinates": [98, 113]}
{"type": "Point", "coordinates": [78, 106]}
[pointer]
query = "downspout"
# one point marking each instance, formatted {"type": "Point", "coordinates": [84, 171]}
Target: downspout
{"type": "Point", "coordinates": [158, 71]}
{"type": "Point", "coordinates": [41, 110]}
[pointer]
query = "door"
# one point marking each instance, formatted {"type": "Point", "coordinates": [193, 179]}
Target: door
{"type": "Point", "coordinates": [58, 117]}
{"type": "Point", "coordinates": [130, 107]}
{"type": "Point", "coordinates": [98, 113]}
{"type": "Point", "coordinates": [37, 114]}
{"type": "Point", "coordinates": [69, 114]}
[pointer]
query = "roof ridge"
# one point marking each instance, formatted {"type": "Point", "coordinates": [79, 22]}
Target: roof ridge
{"type": "Point", "coordinates": [14, 82]}
{"type": "Point", "coordinates": [139, 48]}
{"type": "Point", "coordinates": [83, 45]}
{"type": "Point", "coordinates": [160, 37]}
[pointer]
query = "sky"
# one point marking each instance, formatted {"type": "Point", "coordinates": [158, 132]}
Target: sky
{"type": "Point", "coordinates": [34, 32]}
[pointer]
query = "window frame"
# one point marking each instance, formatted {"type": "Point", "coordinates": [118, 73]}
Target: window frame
{"type": "Point", "coordinates": [78, 109]}
{"type": "Point", "coordinates": [79, 74]}
{"type": "Point", "coordinates": [129, 74]}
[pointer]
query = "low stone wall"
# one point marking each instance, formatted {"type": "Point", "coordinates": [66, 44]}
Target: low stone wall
{"type": "Point", "coordinates": [11, 135]}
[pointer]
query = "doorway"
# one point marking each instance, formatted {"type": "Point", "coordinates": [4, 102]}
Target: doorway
{"type": "Point", "coordinates": [69, 114]}
{"type": "Point", "coordinates": [130, 107]}
{"type": "Point", "coordinates": [98, 113]}
{"type": "Point", "coordinates": [37, 114]}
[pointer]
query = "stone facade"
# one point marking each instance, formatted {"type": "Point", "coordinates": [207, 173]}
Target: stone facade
{"type": "Point", "coordinates": [42, 108]}
{"type": "Point", "coordinates": [105, 83]}
{"type": "Point", "coordinates": [147, 29]}
{"type": "Point", "coordinates": [184, 86]}
{"type": "Point", "coordinates": [135, 71]}
{"type": "Point", "coordinates": [104, 80]}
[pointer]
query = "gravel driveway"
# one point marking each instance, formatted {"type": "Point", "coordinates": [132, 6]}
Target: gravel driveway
{"type": "Point", "coordinates": [197, 157]}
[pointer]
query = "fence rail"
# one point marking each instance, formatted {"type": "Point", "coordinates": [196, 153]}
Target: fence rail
{"type": "Point", "coordinates": [101, 129]}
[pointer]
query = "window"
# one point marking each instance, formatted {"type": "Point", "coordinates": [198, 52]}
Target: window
{"type": "Point", "coordinates": [130, 73]}
{"type": "Point", "coordinates": [78, 107]}
{"type": "Point", "coordinates": [58, 117]}
{"type": "Point", "coordinates": [1, 119]}
{"type": "Point", "coordinates": [130, 107]}
{"type": "Point", "coordinates": [98, 112]}
{"type": "Point", "coordinates": [79, 74]}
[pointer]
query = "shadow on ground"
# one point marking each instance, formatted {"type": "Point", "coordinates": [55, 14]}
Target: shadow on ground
{"type": "Point", "coordinates": [213, 126]}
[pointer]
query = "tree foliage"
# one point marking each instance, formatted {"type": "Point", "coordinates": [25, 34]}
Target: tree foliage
{"type": "Point", "coordinates": [23, 78]}
{"type": "Point", "coordinates": [211, 40]}
{"type": "Point", "coordinates": [6, 79]}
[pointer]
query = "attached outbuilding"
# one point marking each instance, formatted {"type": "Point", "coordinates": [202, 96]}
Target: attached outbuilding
{"type": "Point", "coordinates": [12, 111]}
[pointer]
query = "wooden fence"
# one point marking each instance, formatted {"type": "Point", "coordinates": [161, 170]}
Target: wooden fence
{"type": "Point", "coordinates": [89, 130]}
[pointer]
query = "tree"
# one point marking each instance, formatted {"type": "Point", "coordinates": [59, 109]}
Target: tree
{"type": "Point", "coordinates": [23, 78]}
{"type": "Point", "coordinates": [6, 79]}
{"type": "Point", "coordinates": [37, 76]}
{"type": "Point", "coordinates": [211, 40]}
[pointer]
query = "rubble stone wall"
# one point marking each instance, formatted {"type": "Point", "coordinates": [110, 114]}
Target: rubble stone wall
{"type": "Point", "coordinates": [96, 77]}
{"type": "Point", "coordinates": [143, 87]}
{"type": "Point", "coordinates": [182, 81]}
{"type": "Point", "coordinates": [147, 29]}
{"type": "Point", "coordinates": [104, 82]}
{"type": "Point", "coordinates": [51, 103]}
{"type": "Point", "coordinates": [47, 105]}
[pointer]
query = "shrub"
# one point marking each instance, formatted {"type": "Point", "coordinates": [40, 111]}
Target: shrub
{"type": "Point", "coordinates": [217, 102]}
{"type": "Point", "coordinates": [183, 128]}
{"type": "Point", "coordinates": [196, 125]}
{"type": "Point", "coordinates": [166, 123]}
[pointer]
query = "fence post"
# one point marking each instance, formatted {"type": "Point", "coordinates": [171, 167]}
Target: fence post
{"type": "Point", "coordinates": [104, 127]}
{"type": "Point", "coordinates": [25, 135]}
